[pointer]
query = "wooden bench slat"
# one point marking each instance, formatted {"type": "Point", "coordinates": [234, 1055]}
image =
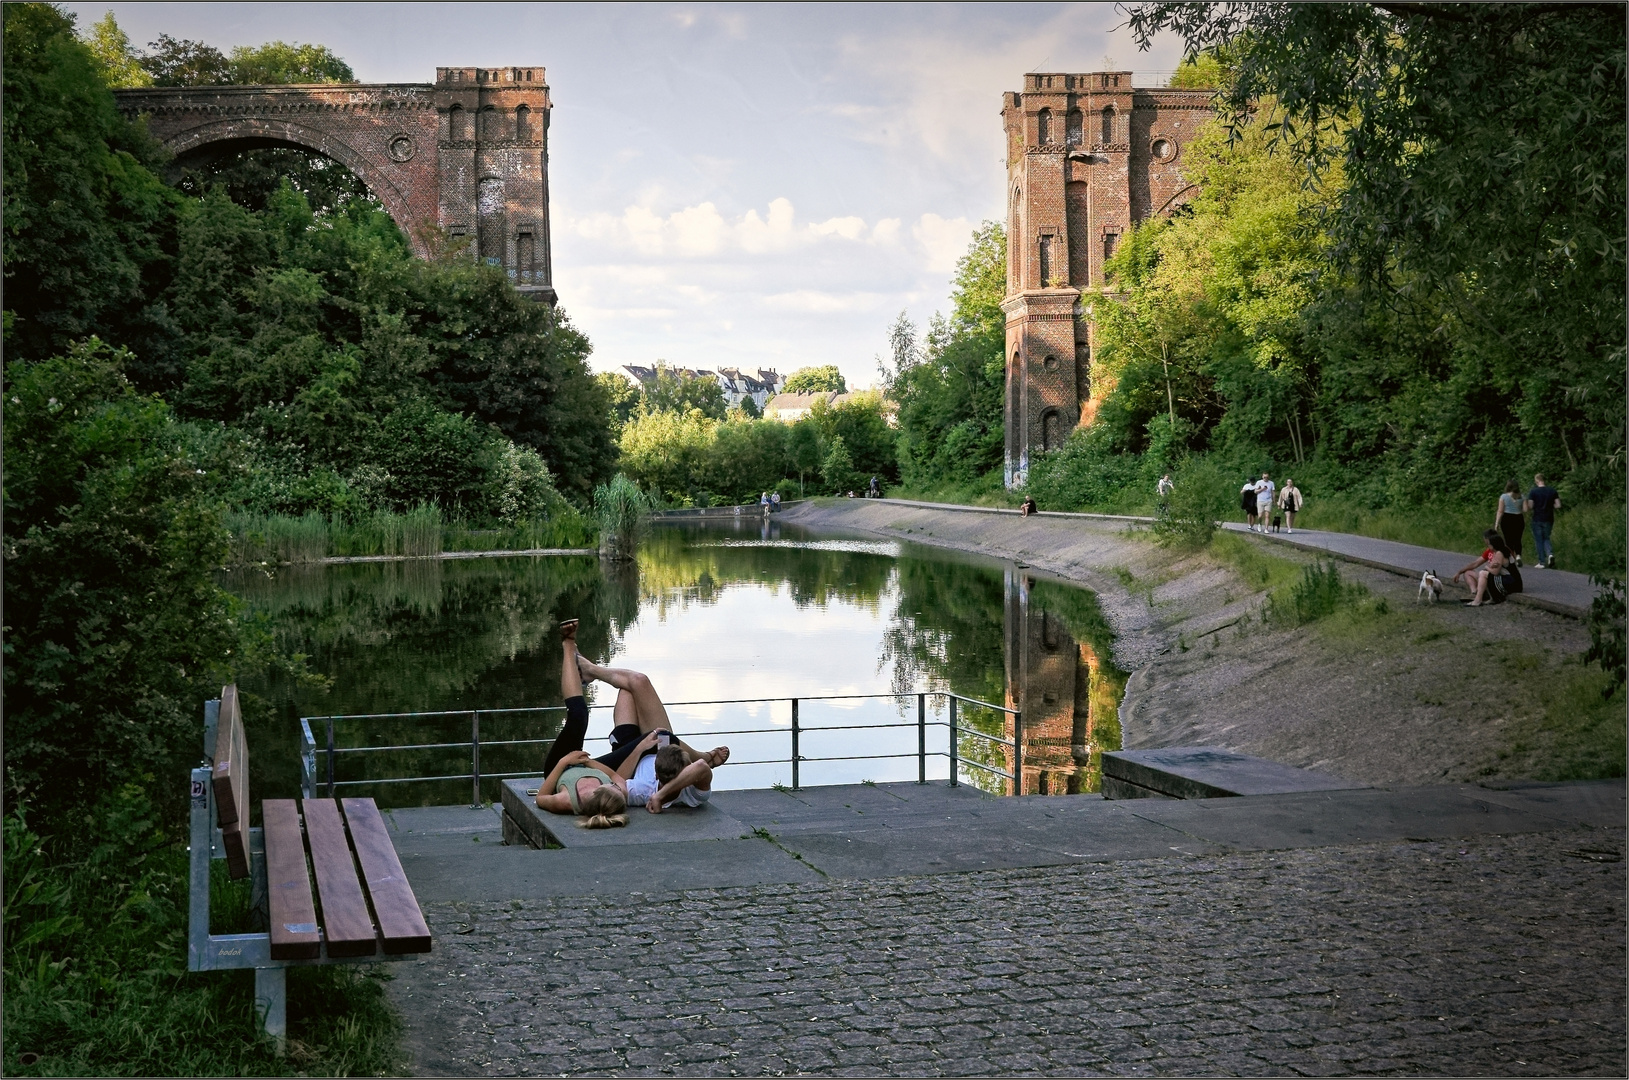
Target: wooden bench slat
{"type": "Point", "coordinates": [401, 923]}
{"type": "Point", "coordinates": [288, 884]}
{"type": "Point", "coordinates": [230, 776]}
{"type": "Point", "coordinates": [345, 918]}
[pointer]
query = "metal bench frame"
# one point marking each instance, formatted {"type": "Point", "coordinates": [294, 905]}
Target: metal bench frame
{"type": "Point", "coordinates": [231, 952]}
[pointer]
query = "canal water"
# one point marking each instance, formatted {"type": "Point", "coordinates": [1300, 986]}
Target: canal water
{"type": "Point", "coordinates": [735, 615]}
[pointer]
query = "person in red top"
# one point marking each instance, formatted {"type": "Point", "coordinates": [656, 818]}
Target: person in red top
{"type": "Point", "coordinates": [1487, 577]}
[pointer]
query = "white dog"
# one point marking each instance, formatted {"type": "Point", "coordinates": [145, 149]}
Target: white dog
{"type": "Point", "coordinates": [1430, 587]}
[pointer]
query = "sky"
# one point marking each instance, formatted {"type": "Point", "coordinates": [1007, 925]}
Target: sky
{"type": "Point", "coordinates": [733, 185]}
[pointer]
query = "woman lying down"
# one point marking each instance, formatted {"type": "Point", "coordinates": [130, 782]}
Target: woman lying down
{"type": "Point", "coordinates": [647, 764]}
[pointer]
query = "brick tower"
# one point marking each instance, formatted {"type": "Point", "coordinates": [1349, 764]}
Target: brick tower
{"type": "Point", "coordinates": [1088, 156]}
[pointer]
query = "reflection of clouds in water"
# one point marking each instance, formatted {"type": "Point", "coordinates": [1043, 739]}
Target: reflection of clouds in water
{"type": "Point", "coordinates": [755, 641]}
{"type": "Point", "coordinates": [857, 547]}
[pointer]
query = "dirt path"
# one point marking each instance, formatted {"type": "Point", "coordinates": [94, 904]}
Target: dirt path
{"type": "Point", "coordinates": [1384, 694]}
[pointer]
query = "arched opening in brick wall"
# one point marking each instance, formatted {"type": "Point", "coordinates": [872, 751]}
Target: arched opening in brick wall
{"type": "Point", "coordinates": [1075, 128]}
{"type": "Point", "coordinates": [1108, 125]}
{"type": "Point", "coordinates": [457, 124]}
{"type": "Point", "coordinates": [1051, 429]}
{"type": "Point", "coordinates": [523, 123]}
{"type": "Point", "coordinates": [1043, 127]}
{"type": "Point", "coordinates": [250, 158]}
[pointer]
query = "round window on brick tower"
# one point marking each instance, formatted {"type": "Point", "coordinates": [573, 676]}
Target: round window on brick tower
{"type": "Point", "coordinates": [1050, 363]}
{"type": "Point", "coordinates": [1163, 149]}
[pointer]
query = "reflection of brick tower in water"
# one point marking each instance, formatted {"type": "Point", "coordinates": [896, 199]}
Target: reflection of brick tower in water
{"type": "Point", "coordinates": [1088, 156]}
{"type": "Point", "coordinates": [1068, 704]}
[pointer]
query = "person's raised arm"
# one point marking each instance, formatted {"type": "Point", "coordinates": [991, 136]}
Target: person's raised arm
{"type": "Point", "coordinates": [631, 762]}
{"type": "Point", "coordinates": [697, 772]}
{"type": "Point", "coordinates": [576, 757]}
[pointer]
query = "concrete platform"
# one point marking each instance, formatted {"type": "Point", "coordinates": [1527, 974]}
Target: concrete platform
{"type": "Point", "coordinates": [867, 831]}
{"type": "Point", "coordinates": [525, 823]}
{"type": "Point", "coordinates": [1206, 772]}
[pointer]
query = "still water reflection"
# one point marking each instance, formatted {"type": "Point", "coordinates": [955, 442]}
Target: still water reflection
{"type": "Point", "coordinates": [726, 610]}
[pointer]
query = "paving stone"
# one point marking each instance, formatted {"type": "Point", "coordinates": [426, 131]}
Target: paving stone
{"type": "Point", "coordinates": [1382, 958]}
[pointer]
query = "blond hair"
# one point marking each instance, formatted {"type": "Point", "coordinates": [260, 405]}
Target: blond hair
{"type": "Point", "coordinates": [604, 808]}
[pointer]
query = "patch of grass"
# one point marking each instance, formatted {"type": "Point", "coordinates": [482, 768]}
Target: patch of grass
{"type": "Point", "coordinates": [96, 981]}
{"type": "Point", "coordinates": [1578, 735]}
{"type": "Point", "coordinates": [1258, 567]}
{"type": "Point", "coordinates": [987, 490]}
{"type": "Point", "coordinates": [1319, 593]}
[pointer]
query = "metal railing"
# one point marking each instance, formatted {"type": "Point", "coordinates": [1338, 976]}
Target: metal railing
{"type": "Point", "coordinates": [311, 780]}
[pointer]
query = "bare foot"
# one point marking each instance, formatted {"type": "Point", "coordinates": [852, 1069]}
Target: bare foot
{"type": "Point", "coordinates": [583, 665]}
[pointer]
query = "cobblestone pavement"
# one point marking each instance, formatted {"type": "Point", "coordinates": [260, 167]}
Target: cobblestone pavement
{"type": "Point", "coordinates": [1495, 955]}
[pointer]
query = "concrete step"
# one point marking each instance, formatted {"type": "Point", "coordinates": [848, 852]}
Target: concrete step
{"type": "Point", "coordinates": [1206, 772]}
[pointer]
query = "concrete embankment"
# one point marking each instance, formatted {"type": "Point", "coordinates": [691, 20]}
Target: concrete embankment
{"type": "Point", "coordinates": [1407, 695]}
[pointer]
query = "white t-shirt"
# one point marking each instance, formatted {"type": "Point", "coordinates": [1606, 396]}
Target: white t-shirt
{"type": "Point", "coordinates": [644, 785]}
{"type": "Point", "coordinates": [1264, 493]}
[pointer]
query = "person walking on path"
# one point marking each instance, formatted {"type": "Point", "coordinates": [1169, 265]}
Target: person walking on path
{"type": "Point", "coordinates": [1542, 502]}
{"type": "Point", "coordinates": [1163, 489]}
{"type": "Point", "coordinates": [1247, 503]}
{"type": "Point", "coordinates": [1507, 518]}
{"type": "Point", "coordinates": [1265, 490]}
{"type": "Point", "coordinates": [1289, 501]}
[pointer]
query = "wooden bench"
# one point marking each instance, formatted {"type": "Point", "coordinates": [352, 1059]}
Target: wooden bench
{"type": "Point", "coordinates": [367, 916]}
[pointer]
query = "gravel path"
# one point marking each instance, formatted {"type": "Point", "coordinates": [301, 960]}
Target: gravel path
{"type": "Point", "coordinates": [1494, 955]}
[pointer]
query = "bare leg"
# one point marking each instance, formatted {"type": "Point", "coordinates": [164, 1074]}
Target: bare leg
{"type": "Point", "coordinates": [571, 680]}
{"type": "Point", "coordinates": [1481, 588]}
{"type": "Point", "coordinates": [652, 715]}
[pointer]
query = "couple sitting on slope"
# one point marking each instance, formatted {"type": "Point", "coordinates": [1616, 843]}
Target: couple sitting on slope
{"type": "Point", "coordinates": [648, 765]}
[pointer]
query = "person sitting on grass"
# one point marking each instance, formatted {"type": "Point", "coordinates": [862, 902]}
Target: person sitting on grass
{"type": "Point", "coordinates": [576, 783]}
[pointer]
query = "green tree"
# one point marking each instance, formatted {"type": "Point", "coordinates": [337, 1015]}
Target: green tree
{"type": "Point", "coordinates": [121, 65]}
{"type": "Point", "coordinates": [622, 394]}
{"type": "Point", "coordinates": [1472, 155]}
{"type": "Point", "coordinates": [85, 222]}
{"type": "Point", "coordinates": [837, 470]}
{"type": "Point", "coordinates": [803, 448]}
{"type": "Point", "coordinates": [816, 380]}
{"type": "Point", "coordinates": [179, 62]}
{"type": "Point", "coordinates": [116, 629]}
{"type": "Point", "coordinates": [663, 450]}
{"type": "Point", "coordinates": [951, 393]}
{"type": "Point", "coordinates": [674, 390]}
{"type": "Point", "coordinates": [278, 62]}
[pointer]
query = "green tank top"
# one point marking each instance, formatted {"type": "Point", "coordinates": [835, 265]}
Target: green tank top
{"type": "Point", "coordinates": [568, 783]}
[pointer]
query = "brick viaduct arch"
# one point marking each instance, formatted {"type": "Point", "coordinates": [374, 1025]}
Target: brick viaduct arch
{"type": "Point", "coordinates": [463, 157]}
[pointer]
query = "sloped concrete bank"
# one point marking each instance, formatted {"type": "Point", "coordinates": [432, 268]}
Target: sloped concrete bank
{"type": "Point", "coordinates": [1407, 698]}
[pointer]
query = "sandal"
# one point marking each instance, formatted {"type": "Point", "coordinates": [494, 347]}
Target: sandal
{"type": "Point", "coordinates": [720, 753]}
{"type": "Point", "coordinates": [568, 630]}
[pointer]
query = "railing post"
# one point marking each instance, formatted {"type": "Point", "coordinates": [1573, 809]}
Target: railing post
{"type": "Point", "coordinates": [1018, 752]}
{"type": "Point", "coordinates": [330, 759]}
{"type": "Point", "coordinates": [921, 738]}
{"type": "Point", "coordinates": [794, 744]}
{"type": "Point", "coordinates": [955, 766]}
{"type": "Point", "coordinates": [475, 756]}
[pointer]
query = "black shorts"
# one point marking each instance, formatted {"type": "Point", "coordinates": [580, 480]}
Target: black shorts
{"type": "Point", "coordinates": [624, 737]}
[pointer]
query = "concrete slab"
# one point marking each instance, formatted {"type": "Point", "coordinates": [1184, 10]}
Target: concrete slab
{"type": "Point", "coordinates": [1598, 804]}
{"type": "Point", "coordinates": [1207, 772]}
{"type": "Point", "coordinates": [676, 825]}
{"type": "Point", "coordinates": [494, 872]}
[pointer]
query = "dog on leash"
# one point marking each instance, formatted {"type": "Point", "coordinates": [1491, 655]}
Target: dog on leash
{"type": "Point", "coordinates": [1430, 587]}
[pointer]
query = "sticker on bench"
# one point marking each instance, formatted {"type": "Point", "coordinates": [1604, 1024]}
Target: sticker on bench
{"type": "Point", "coordinates": [300, 927]}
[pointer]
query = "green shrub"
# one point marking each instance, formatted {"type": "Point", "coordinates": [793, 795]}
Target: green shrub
{"type": "Point", "coordinates": [1188, 518]}
{"type": "Point", "coordinates": [1318, 594]}
{"type": "Point", "coordinates": [1087, 474]}
{"type": "Point", "coordinates": [621, 508]}
{"type": "Point", "coordinates": [1606, 631]}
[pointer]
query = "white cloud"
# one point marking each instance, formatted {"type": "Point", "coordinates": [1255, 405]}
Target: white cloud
{"type": "Point", "coordinates": [943, 239]}
{"type": "Point", "coordinates": [701, 230]}
{"type": "Point", "coordinates": [810, 300]}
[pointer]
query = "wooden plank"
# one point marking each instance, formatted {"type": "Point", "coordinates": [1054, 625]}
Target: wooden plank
{"type": "Point", "coordinates": [288, 884]}
{"type": "Point", "coordinates": [346, 924]}
{"type": "Point", "coordinates": [227, 770]}
{"type": "Point", "coordinates": [231, 782]}
{"type": "Point", "coordinates": [401, 923]}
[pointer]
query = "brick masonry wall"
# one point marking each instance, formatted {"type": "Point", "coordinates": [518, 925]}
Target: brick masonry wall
{"type": "Point", "coordinates": [1088, 157]}
{"type": "Point", "coordinates": [464, 157]}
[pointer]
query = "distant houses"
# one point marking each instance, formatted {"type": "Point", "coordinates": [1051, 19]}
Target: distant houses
{"type": "Point", "coordinates": [760, 385]}
{"type": "Point", "coordinates": [790, 408]}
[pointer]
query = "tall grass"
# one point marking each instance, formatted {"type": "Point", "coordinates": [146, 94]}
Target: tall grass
{"type": "Point", "coordinates": [423, 531]}
{"type": "Point", "coordinates": [621, 508]}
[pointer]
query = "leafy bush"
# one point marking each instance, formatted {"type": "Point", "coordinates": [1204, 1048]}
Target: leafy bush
{"type": "Point", "coordinates": [1087, 474]}
{"type": "Point", "coordinates": [1199, 499]}
{"type": "Point", "coordinates": [1319, 593]}
{"type": "Point", "coordinates": [1606, 631]}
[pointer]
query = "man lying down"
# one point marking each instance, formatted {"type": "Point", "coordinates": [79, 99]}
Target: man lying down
{"type": "Point", "coordinates": [648, 765]}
